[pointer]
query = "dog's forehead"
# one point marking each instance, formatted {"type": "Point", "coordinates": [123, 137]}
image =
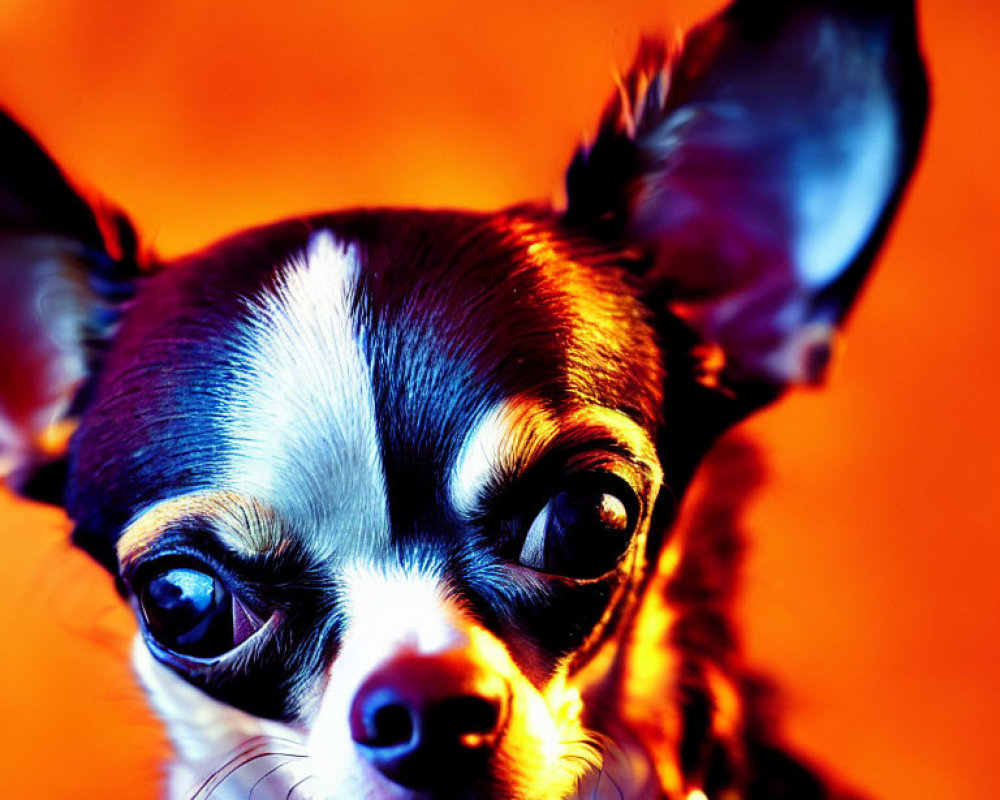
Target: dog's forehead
{"type": "Point", "coordinates": [334, 367]}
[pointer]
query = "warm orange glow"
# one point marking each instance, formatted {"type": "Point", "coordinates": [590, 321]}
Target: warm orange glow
{"type": "Point", "coordinates": [53, 439]}
{"type": "Point", "coordinates": [712, 360]}
{"type": "Point", "coordinates": [727, 719]}
{"type": "Point", "coordinates": [597, 317]}
{"type": "Point", "coordinates": [871, 594]}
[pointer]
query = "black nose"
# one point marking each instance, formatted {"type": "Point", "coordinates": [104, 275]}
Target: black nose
{"type": "Point", "coordinates": [425, 721]}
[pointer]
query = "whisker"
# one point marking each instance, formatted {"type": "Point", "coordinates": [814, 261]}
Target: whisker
{"type": "Point", "coordinates": [267, 775]}
{"type": "Point", "coordinates": [215, 780]}
{"type": "Point", "coordinates": [618, 788]}
{"type": "Point", "coordinates": [599, 745]}
{"type": "Point", "coordinates": [295, 786]}
{"type": "Point", "coordinates": [239, 752]}
{"type": "Point", "coordinates": [249, 745]}
{"type": "Point", "coordinates": [590, 755]}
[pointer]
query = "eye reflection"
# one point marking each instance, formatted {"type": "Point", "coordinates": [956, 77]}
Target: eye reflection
{"type": "Point", "coordinates": [582, 530]}
{"type": "Point", "coordinates": [190, 612]}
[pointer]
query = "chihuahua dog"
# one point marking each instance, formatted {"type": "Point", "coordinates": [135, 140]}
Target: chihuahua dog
{"type": "Point", "coordinates": [391, 492]}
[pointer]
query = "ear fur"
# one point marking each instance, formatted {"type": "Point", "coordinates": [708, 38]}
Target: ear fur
{"type": "Point", "coordinates": [67, 271]}
{"type": "Point", "coordinates": [758, 169]}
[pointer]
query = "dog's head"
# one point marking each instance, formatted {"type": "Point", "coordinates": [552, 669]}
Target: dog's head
{"type": "Point", "coordinates": [384, 487]}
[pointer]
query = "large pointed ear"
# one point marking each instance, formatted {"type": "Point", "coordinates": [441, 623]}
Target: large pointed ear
{"type": "Point", "coordinates": [757, 169]}
{"type": "Point", "coordinates": [66, 271]}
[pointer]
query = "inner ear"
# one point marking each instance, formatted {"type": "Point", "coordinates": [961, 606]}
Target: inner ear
{"type": "Point", "coordinates": [67, 270]}
{"type": "Point", "coordinates": [758, 168]}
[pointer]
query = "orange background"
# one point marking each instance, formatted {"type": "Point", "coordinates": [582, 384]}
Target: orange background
{"type": "Point", "coordinates": [872, 591]}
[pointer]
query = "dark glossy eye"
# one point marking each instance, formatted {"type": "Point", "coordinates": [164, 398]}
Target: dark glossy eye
{"type": "Point", "coordinates": [191, 612]}
{"type": "Point", "coordinates": [583, 530]}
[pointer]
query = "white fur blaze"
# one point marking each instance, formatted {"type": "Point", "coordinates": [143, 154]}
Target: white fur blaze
{"type": "Point", "coordinates": [302, 425]}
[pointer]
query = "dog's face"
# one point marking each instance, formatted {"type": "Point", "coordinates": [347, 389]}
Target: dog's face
{"type": "Point", "coordinates": [438, 468]}
{"type": "Point", "coordinates": [386, 488]}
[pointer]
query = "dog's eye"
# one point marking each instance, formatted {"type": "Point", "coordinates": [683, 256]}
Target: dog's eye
{"type": "Point", "coordinates": [192, 613]}
{"type": "Point", "coordinates": [583, 530]}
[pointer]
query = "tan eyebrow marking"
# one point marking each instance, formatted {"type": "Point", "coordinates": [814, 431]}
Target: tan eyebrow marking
{"type": "Point", "coordinates": [624, 428]}
{"type": "Point", "coordinates": [239, 522]}
{"type": "Point", "coordinates": [515, 433]}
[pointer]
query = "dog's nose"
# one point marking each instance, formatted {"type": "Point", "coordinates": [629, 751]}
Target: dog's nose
{"type": "Point", "coordinates": [424, 721]}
